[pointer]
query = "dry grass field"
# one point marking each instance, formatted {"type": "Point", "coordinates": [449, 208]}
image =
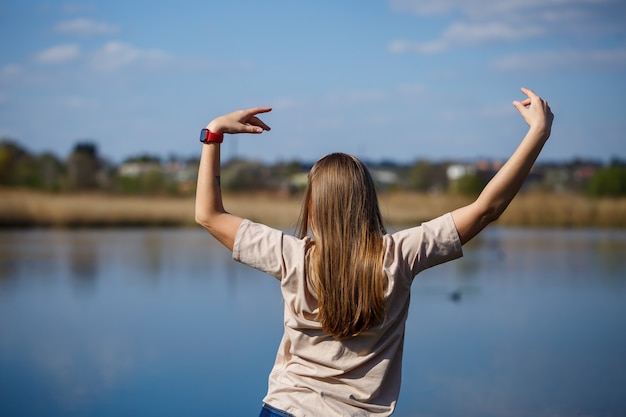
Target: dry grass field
{"type": "Point", "coordinates": [25, 208]}
{"type": "Point", "coordinates": [527, 209]}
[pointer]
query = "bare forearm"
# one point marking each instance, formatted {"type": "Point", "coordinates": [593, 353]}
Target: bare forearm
{"type": "Point", "coordinates": [208, 190]}
{"type": "Point", "coordinates": [503, 187]}
{"type": "Point", "coordinates": [210, 211]}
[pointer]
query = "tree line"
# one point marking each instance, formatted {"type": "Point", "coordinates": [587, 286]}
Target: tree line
{"type": "Point", "coordinates": [82, 170]}
{"type": "Point", "coordinates": [85, 170]}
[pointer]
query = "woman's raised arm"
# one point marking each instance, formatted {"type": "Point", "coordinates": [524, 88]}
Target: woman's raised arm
{"type": "Point", "coordinates": [499, 192]}
{"type": "Point", "coordinates": [210, 212]}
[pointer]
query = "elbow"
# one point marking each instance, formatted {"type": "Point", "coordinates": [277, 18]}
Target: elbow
{"type": "Point", "coordinates": [489, 213]}
{"type": "Point", "coordinates": [200, 220]}
{"type": "Point", "coordinates": [210, 221]}
{"type": "Point", "coordinates": [487, 219]}
{"type": "Point", "coordinates": [492, 213]}
{"type": "Point", "coordinates": [204, 220]}
{"type": "Point", "coordinates": [473, 218]}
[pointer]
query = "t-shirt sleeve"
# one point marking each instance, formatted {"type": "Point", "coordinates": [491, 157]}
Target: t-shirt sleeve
{"type": "Point", "coordinates": [432, 243]}
{"type": "Point", "coordinates": [263, 248]}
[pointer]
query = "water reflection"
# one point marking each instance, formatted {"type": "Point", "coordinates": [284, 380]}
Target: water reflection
{"type": "Point", "coordinates": [543, 334]}
{"type": "Point", "coordinates": [102, 322]}
{"type": "Point", "coordinates": [83, 261]}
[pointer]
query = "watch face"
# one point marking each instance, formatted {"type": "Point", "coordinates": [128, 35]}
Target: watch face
{"type": "Point", "coordinates": [204, 135]}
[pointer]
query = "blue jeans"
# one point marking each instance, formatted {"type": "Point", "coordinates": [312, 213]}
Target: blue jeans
{"type": "Point", "coordinates": [269, 411]}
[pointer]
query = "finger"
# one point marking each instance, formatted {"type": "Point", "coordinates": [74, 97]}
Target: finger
{"type": "Point", "coordinates": [520, 106]}
{"type": "Point", "coordinates": [258, 122]}
{"type": "Point", "coordinates": [256, 110]}
{"type": "Point", "coordinates": [528, 92]}
{"type": "Point", "coordinates": [247, 116]}
{"type": "Point", "coordinates": [263, 110]}
{"type": "Point", "coordinates": [251, 129]}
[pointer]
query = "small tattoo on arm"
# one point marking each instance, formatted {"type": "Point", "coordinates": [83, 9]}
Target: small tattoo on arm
{"type": "Point", "coordinates": [219, 184]}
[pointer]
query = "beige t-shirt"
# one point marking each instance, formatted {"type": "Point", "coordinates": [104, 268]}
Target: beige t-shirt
{"type": "Point", "coordinates": [316, 375]}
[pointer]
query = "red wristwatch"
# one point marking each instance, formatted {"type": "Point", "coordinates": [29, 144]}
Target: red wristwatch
{"type": "Point", "coordinates": [206, 136]}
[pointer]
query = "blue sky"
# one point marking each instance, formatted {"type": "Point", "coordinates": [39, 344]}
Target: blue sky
{"type": "Point", "coordinates": [385, 80]}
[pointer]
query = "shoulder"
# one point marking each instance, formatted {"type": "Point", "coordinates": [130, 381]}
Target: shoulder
{"type": "Point", "coordinates": [441, 229]}
{"type": "Point", "coordinates": [424, 246]}
{"type": "Point", "coordinates": [265, 248]}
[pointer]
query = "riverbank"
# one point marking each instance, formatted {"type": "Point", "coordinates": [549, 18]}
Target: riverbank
{"type": "Point", "coordinates": [26, 208]}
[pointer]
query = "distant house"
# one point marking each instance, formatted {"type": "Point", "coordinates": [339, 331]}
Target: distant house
{"type": "Point", "coordinates": [384, 177]}
{"type": "Point", "coordinates": [456, 171]}
{"type": "Point", "coordinates": [138, 168]}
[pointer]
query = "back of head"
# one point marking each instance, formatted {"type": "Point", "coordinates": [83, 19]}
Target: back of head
{"type": "Point", "coordinates": [345, 263]}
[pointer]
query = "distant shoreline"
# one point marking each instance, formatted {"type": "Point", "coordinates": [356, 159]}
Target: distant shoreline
{"type": "Point", "coordinates": [32, 209]}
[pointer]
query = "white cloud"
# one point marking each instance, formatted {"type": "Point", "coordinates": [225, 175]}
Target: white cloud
{"type": "Point", "coordinates": [117, 55]}
{"type": "Point", "coordinates": [490, 31]}
{"type": "Point", "coordinates": [85, 27]}
{"type": "Point", "coordinates": [489, 8]}
{"type": "Point", "coordinates": [486, 21]}
{"type": "Point", "coordinates": [58, 54]}
{"type": "Point", "coordinates": [402, 46]}
{"type": "Point", "coordinates": [599, 60]}
{"type": "Point", "coordinates": [10, 70]}
{"type": "Point", "coordinates": [462, 33]}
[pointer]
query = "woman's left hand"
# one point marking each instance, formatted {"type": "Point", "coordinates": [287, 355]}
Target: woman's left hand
{"type": "Point", "coordinates": [240, 121]}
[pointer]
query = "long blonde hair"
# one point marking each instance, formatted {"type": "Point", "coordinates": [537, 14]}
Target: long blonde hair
{"type": "Point", "coordinates": [345, 261]}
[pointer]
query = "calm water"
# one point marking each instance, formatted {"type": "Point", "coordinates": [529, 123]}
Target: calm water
{"type": "Point", "coordinates": [163, 322]}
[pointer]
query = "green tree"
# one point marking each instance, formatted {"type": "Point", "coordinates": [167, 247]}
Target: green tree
{"type": "Point", "coordinates": [420, 175]}
{"type": "Point", "coordinates": [51, 172]}
{"type": "Point", "coordinates": [609, 182]}
{"type": "Point", "coordinates": [147, 174]}
{"type": "Point", "coordinates": [18, 167]}
{"type": "Point", "coordinates": [83, 167]}
{"type": "Point", "coordinates": [468, 184]}
{"type": "Point", "coordinates": [243, 175]}
{"type": "Point", "coordinates": [425, 176]}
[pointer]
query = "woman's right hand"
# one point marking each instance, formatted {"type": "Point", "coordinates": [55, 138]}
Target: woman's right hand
{"type": "Point", "coordinates": [240, 121]}
{"type": "Point", "coordinates": [535, 112]}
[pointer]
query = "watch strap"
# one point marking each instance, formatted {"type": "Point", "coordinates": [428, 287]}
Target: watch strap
{"type": "Point", "coordinates": [206, 136]}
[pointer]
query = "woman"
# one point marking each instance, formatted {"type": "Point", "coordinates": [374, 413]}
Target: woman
{"type": "Point", "coordinates": [345, 281]}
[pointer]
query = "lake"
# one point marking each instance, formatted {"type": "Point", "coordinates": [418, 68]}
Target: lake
{"type": "Point", "coordinates": [161, 322]}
